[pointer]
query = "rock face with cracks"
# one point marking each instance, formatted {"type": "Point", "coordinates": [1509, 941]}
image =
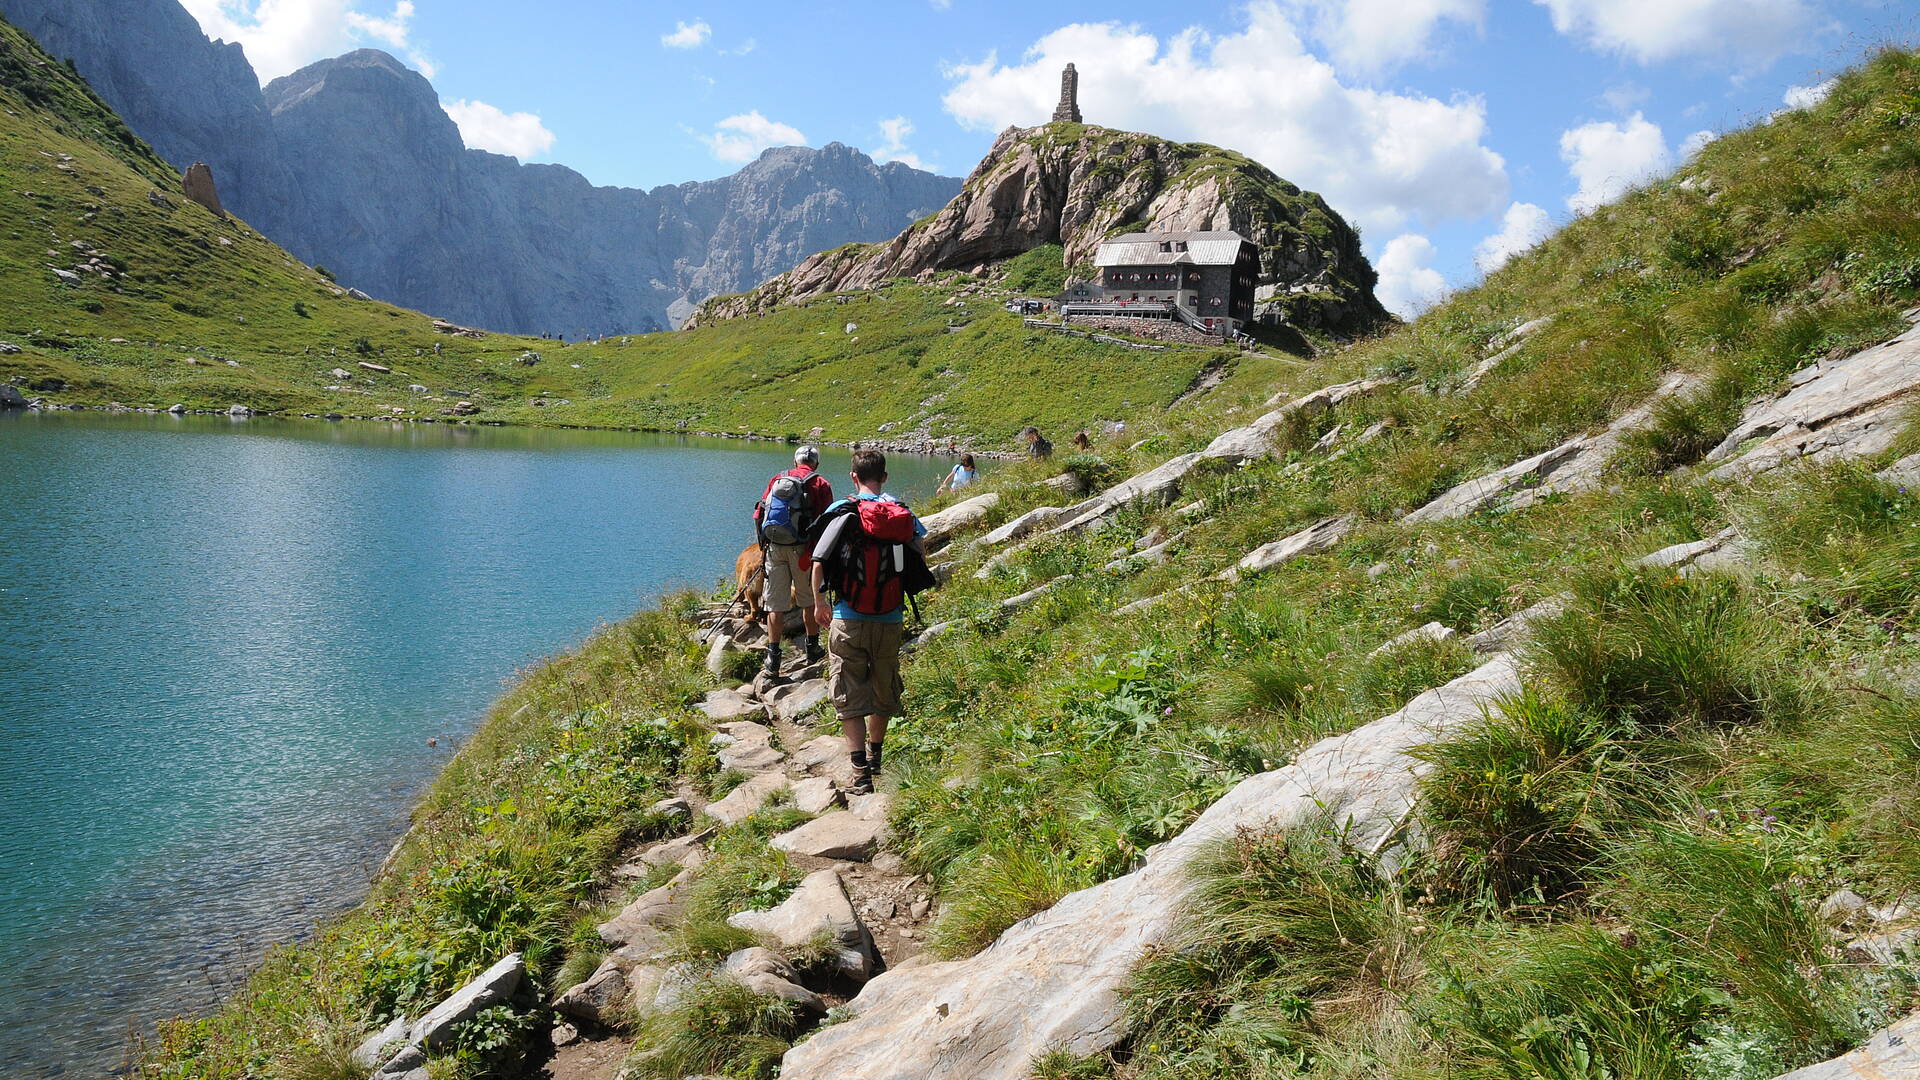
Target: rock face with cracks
{"type": "Point", "coordinates": [1052, 981]}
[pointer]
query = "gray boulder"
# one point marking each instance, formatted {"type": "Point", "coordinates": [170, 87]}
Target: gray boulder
{"type": "Point", "coordinates": [11, 397]}
{"type": "Point", "coordinates": [819, 904]}
{"type": "Point", "coordinates": [842, 834]}
{"type": "Point", "coordinates": [795, 700]}
{"type": "Point", "coordinates": [490, 988]}
{"type": "Point", "coordinates": [743, 801]}
{"type": "Point", "coordinates": [599, 998]}
{"type": "Point", "coordinates": [1320, 536]}
{"type": "Point", "coordinates": [961, 515]}
{"type": "Point", "coordinates": [647, 913]}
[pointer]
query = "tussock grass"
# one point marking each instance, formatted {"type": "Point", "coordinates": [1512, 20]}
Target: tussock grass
{"type": "Point", "coordinates": [717, 1026]}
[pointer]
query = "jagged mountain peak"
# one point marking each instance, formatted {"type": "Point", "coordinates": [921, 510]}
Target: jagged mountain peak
{"type": "Point", "coordinates": [1076, 184]}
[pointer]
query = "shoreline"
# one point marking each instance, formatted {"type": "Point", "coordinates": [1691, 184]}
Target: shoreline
{"type": "Point", "coordinates": [927, 449]}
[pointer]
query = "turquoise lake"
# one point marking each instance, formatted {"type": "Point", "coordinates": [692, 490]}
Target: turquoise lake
{"type": "Point", "coordinates": [228, 648]}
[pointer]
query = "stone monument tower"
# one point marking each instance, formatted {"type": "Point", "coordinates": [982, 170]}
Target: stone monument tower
{"type": "Point", "coordinates": [1068, 110]}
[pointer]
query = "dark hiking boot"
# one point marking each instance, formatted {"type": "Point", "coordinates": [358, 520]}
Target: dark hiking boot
{"type": "Point", "coordinates": [862, 781]}
{"type": "Point", "coordinates": [771, 667]}
{"type": "Point", "coordinates": [873, 757]}
{"type": "Point", "coordinates": [815, 653]}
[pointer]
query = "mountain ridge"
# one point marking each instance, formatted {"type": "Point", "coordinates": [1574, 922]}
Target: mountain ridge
{"type": "Point", "coordinates": [599, 260]}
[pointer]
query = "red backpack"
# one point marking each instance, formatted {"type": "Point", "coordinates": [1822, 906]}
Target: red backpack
{"type": "Point", "coordinates": [874, 569]}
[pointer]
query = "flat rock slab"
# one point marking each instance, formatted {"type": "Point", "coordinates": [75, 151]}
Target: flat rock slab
{"type": "Point", "coordinates": [1320, 536]}
{"type": "Point", "coordinates": [795, 700]}
{"type": "Point", "coordinates": [1023, 526]}
{"type": "Point", "coordinates": [1433, 631]}
{"type": "Point", "coordinates": [819, 904]}
{"type": "Point", "coordinates": [653, 909]}
{"type": "Point", "coordinates": [839, 835]}
{"type": "Point", "coordinates": [1851, 408]}
{"type": "Point", "coordinates": [688, 850]}
{"type": "Point", "coordinates": [490, 987]}
{"type": "Point", "coordinates": [741, 803]}
{"type": "Point", "coordinates": [1052, 981]}
{"type": "Point", "coordinates": [1892, 1053]}
{"type": "Point", "coordinates": [749, 757]}
{"type": "Point", "coordinates": [822, 750]}
{"type": "Point", "coordinates": [964, 514]}
{"type": "Point", "coordinates": [815, 795]}
{"type": "Point", "coordinates": [731, 705]}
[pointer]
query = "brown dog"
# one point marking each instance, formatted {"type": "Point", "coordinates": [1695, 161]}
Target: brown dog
{"type": "Point", "coordinates": [749, 574]}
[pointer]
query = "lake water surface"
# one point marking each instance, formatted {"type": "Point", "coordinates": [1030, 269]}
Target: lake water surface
{"type": "Point", "coordinates": [226, 645]}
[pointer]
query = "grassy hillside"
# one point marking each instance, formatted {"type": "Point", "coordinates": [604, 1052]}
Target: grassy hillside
{"type": "Point", "coordinates": [169, 303]}
{"type": "Point", "coordinates": [1627, 870]}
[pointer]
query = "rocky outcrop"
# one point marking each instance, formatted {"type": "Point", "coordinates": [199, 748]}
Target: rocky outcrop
{"type": "Point", "coordinates": [352, 163]}
{"type": "Point", "coordinates": [1072, 185]}
{"type": "Point", "coordinates": [197, 184]}
{"type": "Point", "coordinates": [1847, 408]}
{"type": "Point", "coordinates": [1052, 981]}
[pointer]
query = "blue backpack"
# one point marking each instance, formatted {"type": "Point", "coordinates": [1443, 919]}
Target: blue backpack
{"type": "Point", "coordinates": [782, 514]}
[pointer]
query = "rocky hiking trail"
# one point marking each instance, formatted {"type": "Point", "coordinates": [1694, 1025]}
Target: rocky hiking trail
{"type": "Point", "coordinates": [854, 890]}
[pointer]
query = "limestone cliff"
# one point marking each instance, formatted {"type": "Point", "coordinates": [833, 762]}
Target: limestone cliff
{"type": "Point", "coordinates": [1074, 184]}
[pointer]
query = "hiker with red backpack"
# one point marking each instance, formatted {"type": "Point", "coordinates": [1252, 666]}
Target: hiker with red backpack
{"type": "Point", "coordinates": [793, 501]}
{"type": "Point", "coordinates": [868, 554]}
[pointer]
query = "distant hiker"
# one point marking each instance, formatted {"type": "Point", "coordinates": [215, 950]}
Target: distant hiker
{"type": "Point", "coordinates": [1082, 443]}
{"type": "Point", "coordinates": [1037, 444]}
{"type": "Point", "coordinates": [869, 556]}
{"type": "Point", "coordinates": [962, 475]}
{"type": "Point", "coordinates": [793, 501]}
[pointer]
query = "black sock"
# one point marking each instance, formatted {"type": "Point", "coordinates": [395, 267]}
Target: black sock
{"type": "Point", "coordinates": [859, 759]}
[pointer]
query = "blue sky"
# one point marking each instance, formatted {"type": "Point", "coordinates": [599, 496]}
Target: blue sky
{"type": "Point", "coordinates": [1452, 131]}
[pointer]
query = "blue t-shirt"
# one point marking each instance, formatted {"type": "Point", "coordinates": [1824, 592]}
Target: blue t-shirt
{"type": "Point", "coordinates": [832, 537]}
{"type": "Point", "coordinates": [962, 476]}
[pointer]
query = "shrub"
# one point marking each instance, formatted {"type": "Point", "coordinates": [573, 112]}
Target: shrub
{"type": "Point", "coordinates": [300, 308]}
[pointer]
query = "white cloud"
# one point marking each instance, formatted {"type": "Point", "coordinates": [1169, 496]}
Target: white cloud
{"type": "Point", "coordinates": [1606, 159]}
{"type": "Point", "coordinates": [893, 144]}
{"type": "Point", "coordinates": [1523, 226]}
{"type": "Point", "coordinates": [283, 36]}
{"type": "Point", "coordinates": [1409, 284]}
{"type": "Point", "coordinates": [1379, 157]}
{"type": "Point", "coordinates": [1691, 145]}
{"type": "Point", "coordinates": [1373, 35]}
{"type": "Point", "coordinates": [1806, 97]}
{"type": "Point", "coordinates": [1752, 33]}
{"type": "Point", "coordinates": [687, 35]}
{"type": "Point", "coordinates": [743, 48]}
{"type": "Point", "coordinates": [485, 127]}
{"type": "Point", "coordinates": [741, 138]}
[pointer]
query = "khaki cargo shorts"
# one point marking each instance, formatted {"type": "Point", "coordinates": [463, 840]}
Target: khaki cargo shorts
{"type": "Point", "coordinates": [788, 586]}
{"type": "Point", "coordinates": [866, 667]}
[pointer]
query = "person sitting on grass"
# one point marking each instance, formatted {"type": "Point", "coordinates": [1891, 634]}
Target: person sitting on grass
{"type": "Point", "coordinates": [869, 556]}
{"type": "Point", "coordinates": [1037, 444]}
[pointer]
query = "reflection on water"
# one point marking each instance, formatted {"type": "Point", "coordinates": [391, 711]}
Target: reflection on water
{"type": "Point", "coordinates": [226, 646]}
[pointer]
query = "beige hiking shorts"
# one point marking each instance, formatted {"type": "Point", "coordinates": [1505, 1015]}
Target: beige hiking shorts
{"type": "Point", "coordinates": [788, 585]}
{"type": "Point", "coordinates": [866, 667]}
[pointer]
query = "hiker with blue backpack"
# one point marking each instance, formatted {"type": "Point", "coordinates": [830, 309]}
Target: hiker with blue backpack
{"type": "Point", "coordinates": [868, 555]}
{"type": "Point", "coordinates": [783, 517]}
